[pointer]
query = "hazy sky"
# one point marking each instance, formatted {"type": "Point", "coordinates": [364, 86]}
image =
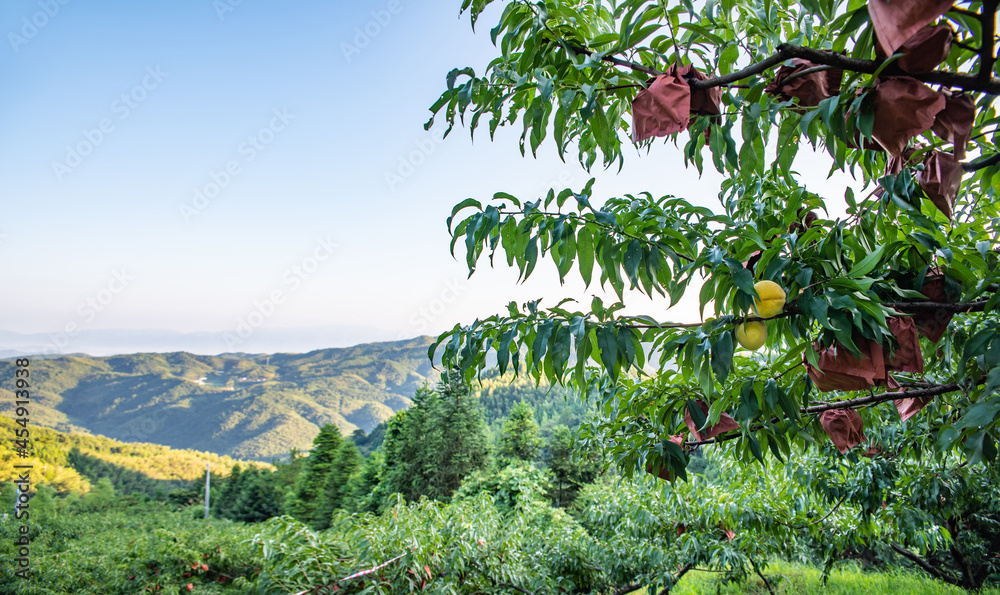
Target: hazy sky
{"type": "Point", "coordinates": [172, 164]}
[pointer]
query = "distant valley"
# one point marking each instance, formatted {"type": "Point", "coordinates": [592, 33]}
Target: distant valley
{"type": "Point", "coordinates": [244, 406]}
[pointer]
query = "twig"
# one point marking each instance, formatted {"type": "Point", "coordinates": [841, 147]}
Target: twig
{"type": "Point", "coordinates": [616, 61]}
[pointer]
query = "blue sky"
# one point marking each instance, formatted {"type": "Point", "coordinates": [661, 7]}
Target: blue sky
{"type": "Point", "coordinates": [114, 113]}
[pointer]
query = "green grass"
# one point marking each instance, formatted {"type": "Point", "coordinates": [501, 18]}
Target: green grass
{"type": "Point", "coordinates": [788, 579]}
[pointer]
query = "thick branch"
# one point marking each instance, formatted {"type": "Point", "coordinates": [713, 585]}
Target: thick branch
{"type": "Point", "coordinates": [884, 397]}
{"type": "Point", "coordinates": [981, 163]}
{"type": "Point", "coordinates": [968, 82]}
{"type": "Point", "coordinates": [684, 569]}
{"type": "Point", "coordinates": [628, 589]}
{"type": "Point", "coordinates": [847, 404]}
{"type": "Point", "coordinates": [927, 566]}
{"type": "Point", "coordinates": [951, 307]}
{"type": "Point", "coordinates": [986, 56]}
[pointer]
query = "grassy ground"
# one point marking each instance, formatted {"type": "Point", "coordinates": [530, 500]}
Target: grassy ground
{"type": "Point", "coordinates": [787, 579]}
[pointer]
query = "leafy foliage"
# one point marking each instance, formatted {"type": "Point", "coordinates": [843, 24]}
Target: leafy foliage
{"type": "Point", "coordinates": [850, 266]}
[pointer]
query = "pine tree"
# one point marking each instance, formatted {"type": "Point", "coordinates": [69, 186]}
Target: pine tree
{"type": "Point", "coordinates": [223, 505]}
{"type": "Point", "coordinates": [312, 480]}
{"type": "Point", "coordinates": [335, 492]}
{"type": "Point", "coordinates": [520, 434]}
{"type": "Point", "coordinates": [435, 444]}
{"type": "Point", "coordinates": [259, 497]}
{"type": "Point", "coordinates": [463, 447]}
{"type": "Point", "coordinates": [570, 471]}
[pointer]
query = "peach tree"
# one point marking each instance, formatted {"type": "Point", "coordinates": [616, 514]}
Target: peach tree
{"type": "Point", "coordinates": [889, 323]}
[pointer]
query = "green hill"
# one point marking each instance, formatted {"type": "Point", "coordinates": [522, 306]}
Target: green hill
{"type": "Point", "coordinates": [72, 462]}
{"type": "Point", "coordinates": [246, 406]}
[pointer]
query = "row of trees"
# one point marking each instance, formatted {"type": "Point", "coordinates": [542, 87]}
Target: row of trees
{"type": "Point", "coordinates": [429, 450]}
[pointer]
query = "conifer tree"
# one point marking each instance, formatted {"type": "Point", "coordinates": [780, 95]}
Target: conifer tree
{"type": "Point", "coordinates": [570, 471]}
{"type": "Point", "coordinates": [226, 500]}
{"type": "Point", "coordinates": [309, 487]}
{"type": "Point", "coordinates": [335, 491]}
{"type": "Point", "coordinates": [436, 443]}
{"type": "Point", "coordinates": [520, 434]}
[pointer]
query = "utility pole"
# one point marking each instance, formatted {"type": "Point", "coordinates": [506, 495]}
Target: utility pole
{"type": "Point", "coordinates": [207, 479]}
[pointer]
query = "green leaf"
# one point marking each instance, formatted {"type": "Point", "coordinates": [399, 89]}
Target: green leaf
{"type": "Point", "coordinates": [741, 276]}
{"type": "Point", "coordinates": [608, 344]}
{"type": "Point", "coordinates": [631, 261]}
{"type": "Point", "coordinates": [722, 356]}
{"type": "Point", "coordinates": [754, 445]}
{"type": "Point", "coordinates": [697, 415]}
{"type": "Point", "coordinates": [585, 254]}
{"type": "Point", "coordinates": [979, 415]}
{"type": "Point", "coordinates": [867, 264]}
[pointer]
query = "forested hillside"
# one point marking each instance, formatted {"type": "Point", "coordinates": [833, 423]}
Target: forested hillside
{"type": "Point", "coordinates": [246, 406]}
{"type": "Point", "coordinates": [75, 462]}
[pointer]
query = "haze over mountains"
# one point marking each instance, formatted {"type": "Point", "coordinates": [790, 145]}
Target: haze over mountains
{"type": "Point", "coordinates": [102, 342]}
{"type": "Point", "coordinates": [245, 406]}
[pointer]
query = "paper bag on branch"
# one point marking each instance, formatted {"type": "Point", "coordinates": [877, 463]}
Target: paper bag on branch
{"type": "Point", "coordinates": [726, 424]}
{"type": "Point", "coordinates": [839, 369]}
{"type": "Point", "coordinates": [896, 21]}
{"type": "Point", "coordinates": [844, 427]}
{"type": "Point", "coordinates": [668, 104]}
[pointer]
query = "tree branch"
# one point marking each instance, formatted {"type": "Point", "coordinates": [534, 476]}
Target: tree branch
{"type": "Point", "coordinates": [785, 51]}
{"type": "Point", "coordinates": [761, 575]}
{"type": "Point", "coordinates": [868, 401]}
{"type": "Point", "coordinates": [952, 307]}
{"type": "Point", "coordinates": [960, 559]}
{"type": "Point", "coordinates": [884, 397]}
{"type": "Point", "coordinates": [924, 564]}
{"type": "Point", "coordinates": [981, 163]}
{"type": "Point", "coordinates": [684, 569]}
{"type": "Point", "coordinates": [628, 589]}
{"type": "Point", "coordinates": [986, 56]}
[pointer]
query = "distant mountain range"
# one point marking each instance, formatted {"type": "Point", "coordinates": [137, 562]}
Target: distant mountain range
{"type": "Point", "coordinates": [245, 406]}
{"type": "Point", "coordinates": [261, 340]}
